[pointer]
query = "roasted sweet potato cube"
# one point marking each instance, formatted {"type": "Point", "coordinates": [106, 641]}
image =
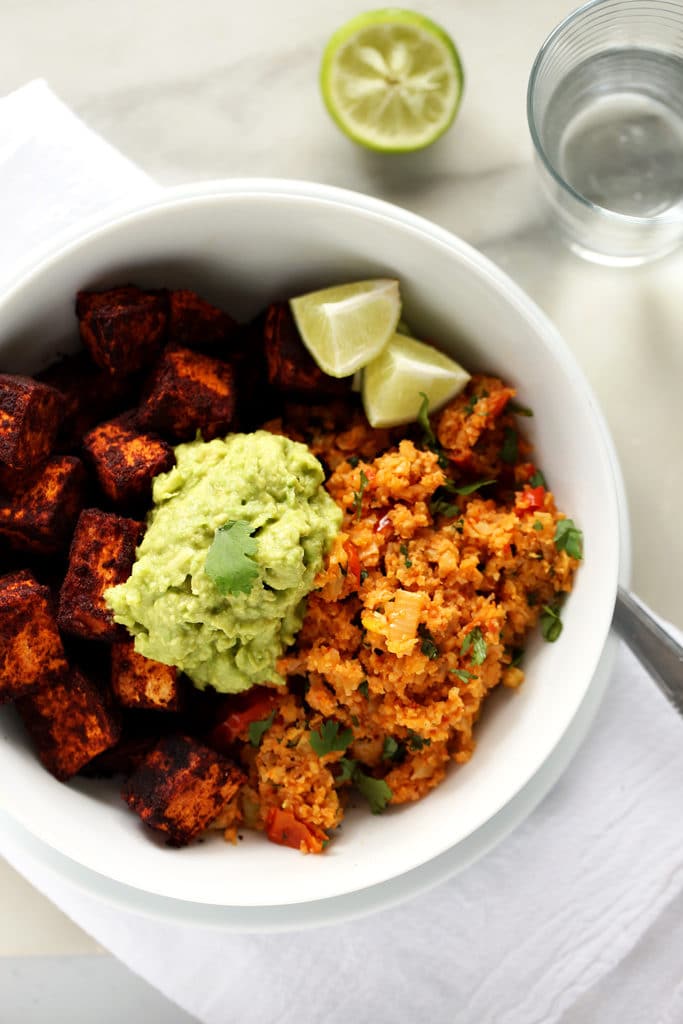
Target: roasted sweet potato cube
{"type": "Point", "coordinates": [189, 391]}
{"type": "Point", "coordinates": [30, 414]}
{"type": "Point", "coordinates": [194, 323]}
{"type": "Point", "coordinates": [90, 395]}
{"type": "Point", "coordinates": [41, 512]}
{"type": "Point", "coordinates": [125, 460]}
{"type": "Point", "coordinates": [69, 722]}
{"type": "Point", "coordinates": [291, 367]}
{"type": "Point", "coordinates": [181, 787]}
{"type": "Point", "coordinates": [101, 556]}
{"type": "Point", "coordinates": [122, 328]}
{"type": "Point", "coordinates": [139, 682]}
{"type": "Point", "coordinates": [31, 651]}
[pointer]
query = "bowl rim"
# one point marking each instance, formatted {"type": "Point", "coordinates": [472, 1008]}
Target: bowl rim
{"type": "Point", "coordinates": [114, 217]}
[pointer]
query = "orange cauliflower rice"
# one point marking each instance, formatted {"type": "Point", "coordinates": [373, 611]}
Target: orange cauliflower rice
{"type": "Point", "coordinates": [449, 554]}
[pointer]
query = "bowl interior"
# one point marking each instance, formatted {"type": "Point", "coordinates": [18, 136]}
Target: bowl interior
{"type": "Point", "coordinates": [241, 247]}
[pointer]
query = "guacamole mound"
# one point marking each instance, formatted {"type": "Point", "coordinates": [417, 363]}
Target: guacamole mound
{"type": "Point", "coordinates": [178, 615]}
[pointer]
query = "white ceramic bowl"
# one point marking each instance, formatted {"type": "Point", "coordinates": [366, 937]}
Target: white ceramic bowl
{"type": "Point", "coordinates": [241, 243]}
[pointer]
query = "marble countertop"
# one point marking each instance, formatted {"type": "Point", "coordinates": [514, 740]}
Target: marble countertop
{"type": "Point", "coordinates": [220, 89]}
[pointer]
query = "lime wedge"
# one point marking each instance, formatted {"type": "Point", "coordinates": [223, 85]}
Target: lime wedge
{"type": "Point", "coordinates": [393, 381]}
{"type": "Point", "coordinates": [346, 326]}
{"type": "Point", "coordinates": [392, 80]}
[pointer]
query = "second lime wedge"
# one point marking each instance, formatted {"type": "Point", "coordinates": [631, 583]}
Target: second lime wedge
{"type": "Point", "coordinates": [394, 381]}
{"type": "Point", "coordinates": [347, 326]}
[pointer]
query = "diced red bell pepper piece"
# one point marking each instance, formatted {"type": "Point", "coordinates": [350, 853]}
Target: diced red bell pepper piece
{"type": "Point", "coordinates": [352, 561]}
{"type": "Point", "coordinates": [531, 499]}
{"type": "Point", "coordinates": [238, 713]}
{"type": "Point", "coordinates": [284, 828]}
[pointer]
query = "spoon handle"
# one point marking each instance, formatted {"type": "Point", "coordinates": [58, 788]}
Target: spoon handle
{"type": "Point", "coordinates": [656, 650]}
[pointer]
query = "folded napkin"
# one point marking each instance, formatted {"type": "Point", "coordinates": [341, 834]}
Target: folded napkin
{"type": "Point", "coordinates": [559, 923]}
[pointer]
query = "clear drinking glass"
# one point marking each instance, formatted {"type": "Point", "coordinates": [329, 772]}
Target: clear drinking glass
{"type": "Point", "coordinates": [605, 109]}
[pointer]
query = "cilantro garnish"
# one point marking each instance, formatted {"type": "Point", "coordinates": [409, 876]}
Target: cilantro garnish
{"type": "Point", "coordinates": [429, 438]}
{"type": "Point", "coordinates": [423, 420]}
{"type": "Point", "coordinates": [538, 480]}
{"type": "Point", "coordinates": [428, 643]}
{"type": "Point", "coordinates": [519, 410]}
{"type": "Point", "coordinates": [517, 655]}
{"type": "Point", "coordinates": [358, 495]}
{"type": "Point", "coordinates": [363, 575]}
{"type": "Point", "coordinates": [404, 551]}
{"type": "Point", "coordinates": [229, 564]}
{"type": "Point", "coordinates": [257, 729]}
{"type": "Point", "coordinates": [538, 525]}
{"type": "Point", "coordinates": [551, 625]}
{"type": "Point", "coordinates": [329, 738]}
{"type": "Point", "coordinates": [475, 641]}
{"type": "Point", "coordinates": [390, 748]}
{"type": "Point", "coordinates": [375, 791]}
{"type": "Point", "coordinates": [364, 688]}
{"type": "Point", "coordinates": [463, 675]}
{"type": "Point", "coordinates": [417, 742]}
{"type": "Point", "coordinates": [510, 451]}
{"type": "Point", "coordinates": [353, 461]}
{"type": "Point", "coordinates": [569, 538]}
{"type": "Point", "coordinates": [441, 507]}
{"type": "Point", "coordinates": [468, 488]}
{"type": "Point", "coordinates": [471, 402]}
{"type": "Point", "coordinates": [343, 769]}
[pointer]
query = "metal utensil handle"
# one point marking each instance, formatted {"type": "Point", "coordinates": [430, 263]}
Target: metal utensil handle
{"type": "Point", "coordinates": [656, 650]}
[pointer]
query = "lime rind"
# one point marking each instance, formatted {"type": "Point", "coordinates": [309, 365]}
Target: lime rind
{"type": "Point", "coordinates": [394, 381]}
{"type": "Point", "coordinates": [346, 326]}
{"type": "Point", "coordinates": [361, 57]}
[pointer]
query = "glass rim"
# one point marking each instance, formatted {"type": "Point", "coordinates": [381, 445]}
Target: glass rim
{"type": "Point", "coordinates": [622, 218]}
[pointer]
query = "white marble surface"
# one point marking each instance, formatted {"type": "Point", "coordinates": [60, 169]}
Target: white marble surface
{"type": "Point", "coordinates": [217, 89]}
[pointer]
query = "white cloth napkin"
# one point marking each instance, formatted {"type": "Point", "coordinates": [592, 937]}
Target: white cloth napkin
{"type": "Point", "coordinates": [574, 918]}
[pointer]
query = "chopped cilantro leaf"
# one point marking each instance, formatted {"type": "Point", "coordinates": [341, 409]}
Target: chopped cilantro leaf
{"type": "Point", "coordinates": [343, 769]}
{"type": "Point", "coordinates": [417, 742]}
{"type": "Point", "coordinates": [364, 688]}
{"type": "Point", "coordinates": [463, 675]}
{"type": "Point", "coordinates": [257, 729]}
{"type": "Point", "coordinates": [329, 738]}
{"type": "Point", "coordinates": [519, 410]}
{"type": "Point", "coordinates": [404, 551]}
{"type": "Point", "coordinates": [538, 525]}
{"type": "Point", "coordinates": [517, 655]}
{"type": "Point", "coordinates": [551, 625]}
{"type": "Point", "coordinates": [569, 538]}
{"type": "Point", "coordinates": [423, 420]}
{"type": "Point", "coordinates": [428, 643]}
{"type": "Point", "coordinates": [471, 402]}
{"type": "Point", "coordinates": [363, 575]}
{"type": "Point", "coordinates": [475, 641]}
{"type": "Point", "coordinates": [390, 748]}
{"type": "Point", "coordinates": [510, 451]}
{"type": "Point", "coordinates": [441, 507]}
{"type": "Point", "coordinates": [353, 461]}
{"type": "Point", "coordinates": [358, 495]}
{"type": "Point", "coordinates": [468, 488]}
{"type": "Point", "coordinates": [375, 791]}
{"type": "Point", "coordinates": [538, 480]}
{"type": "Point", "coordinates": [229, 564]}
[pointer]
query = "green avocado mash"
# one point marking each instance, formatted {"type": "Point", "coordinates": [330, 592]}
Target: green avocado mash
{"type": "Point", "coordinates": [234, 541]}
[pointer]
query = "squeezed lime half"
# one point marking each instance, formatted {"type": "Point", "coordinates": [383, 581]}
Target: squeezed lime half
{"type": "Point", "coordinates": [392, 80]}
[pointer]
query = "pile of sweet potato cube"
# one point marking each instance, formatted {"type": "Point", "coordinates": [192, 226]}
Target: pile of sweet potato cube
{"type": "Point", "coordinates": [80, 444]}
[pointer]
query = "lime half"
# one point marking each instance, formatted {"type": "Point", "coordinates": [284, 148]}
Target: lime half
{"type": "Point", "coordinates": [346, 326]}
{"type": "Point", "coordinates": [392, 80]}
{"type": "Point", "coordinates": [393, 382]}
